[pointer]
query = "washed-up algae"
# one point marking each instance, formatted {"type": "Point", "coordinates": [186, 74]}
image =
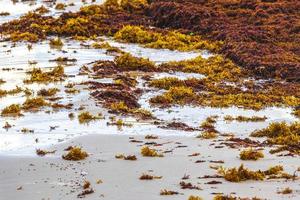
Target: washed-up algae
{"type": "Point", "coordinates": [250, 33]}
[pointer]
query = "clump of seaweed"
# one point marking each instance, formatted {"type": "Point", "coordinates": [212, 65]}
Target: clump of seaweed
{"type": "Point", "coordinates": [175, 95]}
{"type": "Point", "coordinates": [86, 117]}
{"type": "Point", "coordinates": [7, 126]}
{"type": "Point", "coordinates": [85, 192]}
{"type": "Point", "coordinates": [142, 114]}
{"type": "Point", "coordinates": [251, 154]}
{"type": "Point", "coordinates": [41, 152]}
{"type": "Point", "coordinates": [245, 119]}
{"type": "Point", "coordinates": [172, 40]}
{"type": "Point", "coordinates": [230, 197]}
{"type": "Point", "coordinates": [151, 137]}
{"type": "Point", "coordinates": [281, 133]}
{"type": "Point", "coordinates": [48, 92]}
{"type": "Point", "coordinates": [286, 191]}
{"type": "Point", "coordinates": [132, 6]}
{"type": "Point", "coordinates": [168, 192]}
{"type": "Point", "coordinates": [149, 177]}
{"type": "Point", "coordinates": [56, 42]}
{"type": "Point", "coordinates": [187, 185]}
{"type": "Point", "coordinates": [75, 153]}
{"type": "Point", "coordinates": [12, 110]}
{"type": "Point", "coordinates": [107, 46]}
{"type": "Point", "coordinates": [119, 107]}
{"type": "Point", "coordinates": [209, 128]}
{"type": "Point", "coordinates": [216, 68]}
{"type": "Point", "coordinates": [10, 92]}
{"type": "Point", "coordinates": [25, 36]}
{"type": "Point", "coordinates": [86, 184]}
{"type": "Point", "coordinates": [27, 130]}
{"type": "Point", "coordinates": [122, 156]}
{"type": "Point", "coordinates": [42, 10]}
{"type": "Point", "coordinates": [63, 60]}
{"type": "Point", "coordinates": [241, 174]}
{"type": "Point", "coordinates": [37, 75]}
{"type": "Point", "coordinates": [34, 103]}
{"type": "Point", "coordinates": [296, 112]}
{"type": "Point", "coordinates": [71, 91]}
{"type": "Point", "coordinates": [168, 82]}
{"type": "Point", "coordinates": [4, 13]}
{"type": "Point", "coordinates": [217, 93]}
{"type": "Point", "coordinates": [192, 197]}
{"type": "Point", "coordinates": [208, 135]}
{"type": "Point", "coordinates": [60, 6]}
{"type": "Point", "coordinates": [127, 62]}
{"type": "Point", "coordinates": [148, 152]}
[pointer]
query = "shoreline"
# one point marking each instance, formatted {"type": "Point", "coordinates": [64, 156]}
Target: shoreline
{"type": "Point", "coordinates": [51, 177]}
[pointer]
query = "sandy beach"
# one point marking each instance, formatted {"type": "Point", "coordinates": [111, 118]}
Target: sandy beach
{"type": "Point", "coordinates": [175, 100]}
{"type": "Point", "coordinates": [51, 177]}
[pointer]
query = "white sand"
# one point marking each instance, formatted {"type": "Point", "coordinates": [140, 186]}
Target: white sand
{"type": "Point", "coordinates": [51, 177]}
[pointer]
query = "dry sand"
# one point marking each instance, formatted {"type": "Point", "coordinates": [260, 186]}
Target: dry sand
{"type": "Point", "coordinates": [51, 177]}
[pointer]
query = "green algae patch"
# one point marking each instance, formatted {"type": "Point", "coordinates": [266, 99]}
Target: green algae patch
{"type": "Point", "coordinates": [251, 154]}
{"type": "Point", "coordinates": [37, 75]}
{"type": "Point", "coordinates": [75, 154]}
{"type": "Point", "coordinates": [12, 110]}
{"type": "Point", "coordinates": [172, 40]}
{"type": "Point", "coordinates": [283, 134]}
{"type": "Point", "coordinates": [127, 62]}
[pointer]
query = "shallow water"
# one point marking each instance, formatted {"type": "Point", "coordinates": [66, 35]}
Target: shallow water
{"type": "Point", "coordinates": [18, 57]}
{"type": "Point", "coordinates": [19, 8]}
